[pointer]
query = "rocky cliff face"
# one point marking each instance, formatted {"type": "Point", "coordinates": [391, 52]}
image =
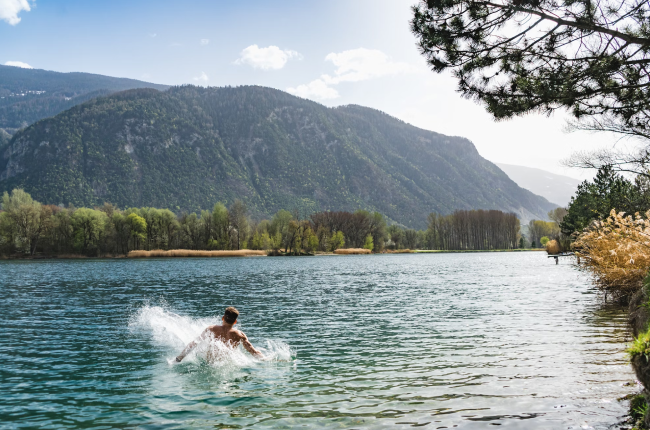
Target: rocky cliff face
{"type": "Point", "coordinates": [189, 147]}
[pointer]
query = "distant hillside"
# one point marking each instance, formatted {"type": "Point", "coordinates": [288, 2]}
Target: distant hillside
{"type": "Point", "coordinates": [555, 188]}
{"type": "Point", "coordinates": [189, 147]}
{"type": "Point", "coordinates": [27, 95]}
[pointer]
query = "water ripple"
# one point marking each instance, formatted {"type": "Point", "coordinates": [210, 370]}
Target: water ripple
{"type": "Point", "coordinates": [435, 341]}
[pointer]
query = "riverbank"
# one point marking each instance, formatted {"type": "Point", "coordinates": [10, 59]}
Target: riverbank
{"type": "Point", "coordinates": [188, 253]}
{"type": "Point", "coordinates": [449, 251]}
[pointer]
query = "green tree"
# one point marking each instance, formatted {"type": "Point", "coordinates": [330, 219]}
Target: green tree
{"type": "Point", "coordinates": [88, 226]}
{"type": "Point", "coordinates": [191, 229]}
{"type": "Point", "coordinates": [27, 219]}
{"type": "Point", "coordinates": [309, 240]}
{"type": "Point", "coordinates": [521, 56]}
{"type": "Point", "coordinates": [594, 200]}
{"type": "Point", "coordinates": [369, 243]}
{"type": "Point", "coordinates": [544, 240]}
{"type": "Point", "coordinates": [336, 241]}
{"type": "Point", "coordinates": [169, 226]}
{"type": "Point", "coordinates": [239, 222]}
{"type": "Point", "coordinates": [280, 224]}
{"type": "Point", "coordinates": [221, 226]}
{"type": "Point", "coordinates": [138, 228]}
{"type": "Point", "coordinates": [396, 235]}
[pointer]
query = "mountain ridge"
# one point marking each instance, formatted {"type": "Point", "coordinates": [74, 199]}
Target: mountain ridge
{"type": "Point", "coordinates": [28, 95]}
{"type": "Point", "coordinates": [555, 188]}
{"type": "Point", "coordinates": [188, 147]}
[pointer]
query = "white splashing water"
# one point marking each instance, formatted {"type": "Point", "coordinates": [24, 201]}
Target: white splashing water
{"type": "Point", "coordinates": [174, 332]}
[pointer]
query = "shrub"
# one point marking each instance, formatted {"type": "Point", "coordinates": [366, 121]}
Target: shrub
{"type": "Point", "coordinates": [553, 247]}
{"type": "Point", "coordinates": [617, 252]}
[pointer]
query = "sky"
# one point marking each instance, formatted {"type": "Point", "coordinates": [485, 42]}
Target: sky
{"type": "Point", "coordinates": [335, 52]}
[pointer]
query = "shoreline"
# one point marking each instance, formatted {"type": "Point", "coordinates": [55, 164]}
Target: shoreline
{"type": "Point", "coordinates": [229, 254]}
{"type": "Point", "coordinates": [459, 251]}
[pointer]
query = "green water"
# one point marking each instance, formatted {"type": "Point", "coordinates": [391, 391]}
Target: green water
{"type": "Point", "coordinates": [432, 340]}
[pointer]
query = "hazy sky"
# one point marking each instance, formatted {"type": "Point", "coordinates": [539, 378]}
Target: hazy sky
{"type": "Point", "coordinates": [335, 52]}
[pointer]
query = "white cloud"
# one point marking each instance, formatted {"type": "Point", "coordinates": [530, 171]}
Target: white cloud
{"type": "Point", "coordinates": [205, 41]}
{"type": "Point", "coordinates": [316, 89]}
{"type": "Point", "coordinates": [270, 58]}
{"type": "Point", "coordinates": [362, 64]}
{"type": "Point", "coordinates": [202, 78]}
{"type": "Point", "coordinates": [353, 65]}
{"type": "Point", "coordinates": [152, 35]}
{"type": "Point", "coordinates": [9, 10]}
{"type": "Point", "coordinates": [18, 63]}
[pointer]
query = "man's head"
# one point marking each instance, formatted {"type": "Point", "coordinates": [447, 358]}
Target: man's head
{"type": "Point", "coordinates": [230, 315]}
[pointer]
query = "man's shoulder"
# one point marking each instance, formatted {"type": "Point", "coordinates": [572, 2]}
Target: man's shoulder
{"type": "Point", "coordinates": [238, 333]}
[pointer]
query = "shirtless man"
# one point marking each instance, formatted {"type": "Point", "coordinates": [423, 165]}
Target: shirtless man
{"type": "Point", "coordinates": [225, 333]}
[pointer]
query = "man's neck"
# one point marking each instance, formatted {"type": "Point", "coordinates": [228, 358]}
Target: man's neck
{"type": "Point", "coordinates": [227, 326]}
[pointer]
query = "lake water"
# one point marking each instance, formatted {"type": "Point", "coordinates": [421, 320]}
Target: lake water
{"type": "Point", "coordinates": [382, 341]}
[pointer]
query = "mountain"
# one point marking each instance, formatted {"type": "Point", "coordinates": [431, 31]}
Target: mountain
{"type": "Point", "coordinates": [27, 95]}
{"type": "Point", "coordinates": [555, 188]}
{"type": "Point", "coordinates": [190, 147]}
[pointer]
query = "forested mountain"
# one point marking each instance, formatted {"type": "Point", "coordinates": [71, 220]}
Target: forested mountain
{"type": "Point", "coordinates": [27, 95]}
{"type": "Point", "coordinates": [189, 147]}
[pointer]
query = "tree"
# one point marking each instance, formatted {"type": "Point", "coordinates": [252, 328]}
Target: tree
{"type": "Point", "coordinates": [309, 239]}
{"type": "Point", "coordinates": [191, 230]}
{"type": "Point", "coordinates": [369, 243]}
{"type": "Point", "coordinates": [520, 56]}
{"type": "Point", "coordinates": [538, 229]}
{"type": "Point", "coordinates": [594, 200]}
{"type": "Point", "coordinates": [280, 225]}
{"type": "Point", "coordinates": [396, 235]}
{"type": "Point", "coordinates": [137, 227]}
{"type": "Point", "coordinates": [221, 227]}
{"type": "Point", "coordinates": [88, 225]}
{"type": "Point", "coordinates": [28, 219]}
{"type": "Point", "coordinates": [336, 241]}
{"type": "Point", "coordinates": [168, 227]}
{"type": "Point", "coordinates": [239, 221]}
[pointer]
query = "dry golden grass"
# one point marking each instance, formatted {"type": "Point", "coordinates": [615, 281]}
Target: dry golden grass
{"type": "Point", "coordinates": [617, 252]}
{"type": "Point", "coordinates": [349, 251]}
{"type": "Point", "coordinates": [399, 251]}
{"type": "Point", "coordinates": [553, 247]}
{"type": "Point", "coordinates": [192, 253]}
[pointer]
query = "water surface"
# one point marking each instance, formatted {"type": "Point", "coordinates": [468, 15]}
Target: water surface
{"type": "Point", "coordinates": [381, 341]}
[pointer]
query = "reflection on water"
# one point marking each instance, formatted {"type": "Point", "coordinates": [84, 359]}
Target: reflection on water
{"type": "Point", "coordinates": [439, 341]}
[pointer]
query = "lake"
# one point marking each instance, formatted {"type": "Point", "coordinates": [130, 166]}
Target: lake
{"type": "Point", "coordinates": [382, 341]}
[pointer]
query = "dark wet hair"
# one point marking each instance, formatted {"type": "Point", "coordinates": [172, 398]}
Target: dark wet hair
{"type": "Point", "coordinates": [230, 315]}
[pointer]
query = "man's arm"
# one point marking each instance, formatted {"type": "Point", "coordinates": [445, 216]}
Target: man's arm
{"type": "Point", "coordinates": [249, 346]}
{"type": "Point", "coordinates": [193, 344]}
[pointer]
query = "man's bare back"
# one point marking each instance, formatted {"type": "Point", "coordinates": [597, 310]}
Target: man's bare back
{"type": "Point", "coordinates": [225, 333]}
{"type": "Point", "coordinates": [231, 336]}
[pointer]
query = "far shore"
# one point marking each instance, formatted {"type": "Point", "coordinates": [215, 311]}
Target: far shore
{"type": "Point", "coordinates": [186, 253]}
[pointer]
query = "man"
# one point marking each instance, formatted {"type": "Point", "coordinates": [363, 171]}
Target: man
{"type": "Point", "coordinates": [225, 333]}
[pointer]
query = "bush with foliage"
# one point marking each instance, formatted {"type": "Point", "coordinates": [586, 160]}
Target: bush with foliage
{"type": "Point", "coordinates": [617, 252]}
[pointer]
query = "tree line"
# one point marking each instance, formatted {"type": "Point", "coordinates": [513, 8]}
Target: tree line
{"type": "Point", "coordinates": [29, 227]}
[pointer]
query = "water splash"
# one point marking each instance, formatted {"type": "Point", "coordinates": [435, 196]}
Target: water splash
{"type": "Point", "coordinates": [173, 332]}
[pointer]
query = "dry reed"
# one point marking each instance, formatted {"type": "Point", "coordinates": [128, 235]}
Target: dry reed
{"type": "Point", "coordinates": [192, 253]}
{"type": "Point", "coordinates": [399, 251]}
{"type": "Point", "coordinates": [553, 247]}
{"type": "Point", "coordinates": [617, 252]}
{"type": "Point", "coordinates": [349, 251]}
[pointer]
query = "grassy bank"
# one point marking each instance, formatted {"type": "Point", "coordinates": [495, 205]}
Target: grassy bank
{"type": "Point", "coordinates": [184, 253]}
